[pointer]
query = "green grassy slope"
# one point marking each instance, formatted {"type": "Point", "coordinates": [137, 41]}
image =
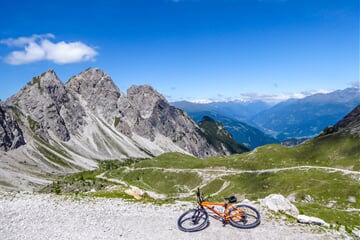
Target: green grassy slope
{"type": "Point", "coordinates": [318, 168]}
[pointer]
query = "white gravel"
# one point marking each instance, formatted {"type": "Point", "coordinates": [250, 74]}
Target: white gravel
{"type": "Point", "coordinates": [43, 216]}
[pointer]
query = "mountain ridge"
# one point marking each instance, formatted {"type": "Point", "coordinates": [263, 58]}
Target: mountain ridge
{"type": "Point", "coordinates": [92, 89]}
{"type": "Point", "coordinates": [68, 127]}
{"type": "Point", "coordinates": [221, 138]}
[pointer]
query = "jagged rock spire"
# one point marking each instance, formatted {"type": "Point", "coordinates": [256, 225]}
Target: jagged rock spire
{"type": "Point", "coordinates": [98, 90]}
{"type": "Point", "coordinates": [47, 106]}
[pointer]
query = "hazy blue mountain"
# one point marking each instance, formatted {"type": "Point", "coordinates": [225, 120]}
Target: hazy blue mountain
{"type": "Point", "coordinates": [307, 117]}
{"type": "Point", "coordinates": [241, 132]}
{"type": "Point", "coordinates": [238, 110]}
{"type": "Point", "coordinates": [290, 119]}
{"type": "Point", "coordinates": [235, 116]}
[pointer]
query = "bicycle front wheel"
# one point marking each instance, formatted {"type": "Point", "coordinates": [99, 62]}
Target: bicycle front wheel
{"type": "Point", "coordinates": [193, 220]}
{"type": "Point", "coordinates": [244, 216]}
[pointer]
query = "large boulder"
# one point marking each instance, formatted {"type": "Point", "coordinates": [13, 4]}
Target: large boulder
{"type": "Point", "coordinates": [278, 203]}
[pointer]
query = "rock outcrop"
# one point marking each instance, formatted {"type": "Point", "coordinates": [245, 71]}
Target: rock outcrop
{"type": "Point", "coordinates": [11, 135]}
{"type": "Point", "coordinates": [220, 138]}
{"type": "Point", "coordinates": [47, 108]}
{"type": "Point", "coordinates": [279, 204]}
{"type": "Point", "coordinates": [351, 122]}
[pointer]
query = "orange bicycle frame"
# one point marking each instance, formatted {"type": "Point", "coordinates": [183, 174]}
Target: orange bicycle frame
{"type": "Point", "coordinates": [225, 215]}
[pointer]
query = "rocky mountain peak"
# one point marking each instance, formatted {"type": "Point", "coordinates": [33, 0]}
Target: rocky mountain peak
{"type": "Point", "coordinates": [146, 99]}
{"type": "Point", "coordinates": [46, 106]}
{"type": "Point", "coordinates": [144, 90]}
{"type": "Point", "coordinates": [56, 111]}
{"type": "Point", "coordinates": [46, 83]}
{"type": "Point", "coordinates": [98, 91]}
{"type": "Point", "coordinates": [90, 82]}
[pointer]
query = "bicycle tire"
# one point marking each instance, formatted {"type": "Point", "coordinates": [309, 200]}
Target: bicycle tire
{"type": "Point", "coordinates": [193, 220]}
{"type": "Point", "coordinates": [244, 216]}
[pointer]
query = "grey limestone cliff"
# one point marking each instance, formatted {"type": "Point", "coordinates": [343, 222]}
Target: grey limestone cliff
{"type": "Point", "coordinates": [11, 135]}
{"type": "Point", "coordinates": [156, 116]}
{"type": "Point", "coordinates": [48, 108]}
{"type": "Point", "coordinates": [142, 111]}
{"type": "Point", "coordinates": [98, 92]}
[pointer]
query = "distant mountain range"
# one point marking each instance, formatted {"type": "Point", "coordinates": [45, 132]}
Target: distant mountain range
{"type": "Point", "coordinates": [237, 110]}
{"type": "Point", "coordinates": [291, 119]}
{"type": "Point", "coordinates": [307, 117]}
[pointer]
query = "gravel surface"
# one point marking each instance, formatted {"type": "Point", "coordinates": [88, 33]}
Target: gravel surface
{"type": "Point", "coordinates": [45, 216]}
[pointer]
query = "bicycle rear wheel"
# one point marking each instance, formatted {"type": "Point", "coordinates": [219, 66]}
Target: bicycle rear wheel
{"type": "Point", "coordinates": [244, 216]}
{"type": "Point", "coordinates": [193, 220]}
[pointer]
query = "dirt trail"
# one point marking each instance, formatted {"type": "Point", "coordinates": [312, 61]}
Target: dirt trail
{"type": "Point", "coordinates": [209, 174]}
{"type": "Point", "coordinates": [239, 171]}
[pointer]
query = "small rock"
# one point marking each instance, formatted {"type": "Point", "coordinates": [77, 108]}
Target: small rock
{"type": "Point", "coordinates": [308, 198]}
{"type": "Point", "coordinates": [136, 192]}
{"type": "Point", "coordinates": [311, 220]}
{"type": "Point", "coordinates": [356, 232]}
{"type": "Point", "coordinates": [351, 199]}
{"type": "Point", "coordinates": [331, 204]}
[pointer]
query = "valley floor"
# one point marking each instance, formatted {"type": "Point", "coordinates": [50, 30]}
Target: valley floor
{"type": "Point", "coordinates": [44, 216]}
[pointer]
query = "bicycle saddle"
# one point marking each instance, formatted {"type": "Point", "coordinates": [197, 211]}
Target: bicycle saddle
{"type": "Point", "coordinates": [231, 199]}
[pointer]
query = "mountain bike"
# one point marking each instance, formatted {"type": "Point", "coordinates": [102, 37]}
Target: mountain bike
{"type": "Point", "coordinates": [239, 215]}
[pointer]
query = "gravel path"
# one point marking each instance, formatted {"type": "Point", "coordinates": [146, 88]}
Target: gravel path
{"type": "Point", "coordinates": [45, 216]}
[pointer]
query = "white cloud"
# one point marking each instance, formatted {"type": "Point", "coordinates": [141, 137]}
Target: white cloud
{"type": "Point", "coordinates": [32, 53]}
{"type": "Point", "coordinates": [202, 101]}
{"type": "Point", "coordinates": [63, 52]}
{"type": "Point", "coordinates": [22, 41]}
{"type": "Point", "coordinates": [354, 84]}
{"type": "Point", "coordinates": [39, 47]}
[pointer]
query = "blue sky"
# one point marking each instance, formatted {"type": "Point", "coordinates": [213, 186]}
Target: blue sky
{"type": "Point", "coordinates": [186, 49]}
